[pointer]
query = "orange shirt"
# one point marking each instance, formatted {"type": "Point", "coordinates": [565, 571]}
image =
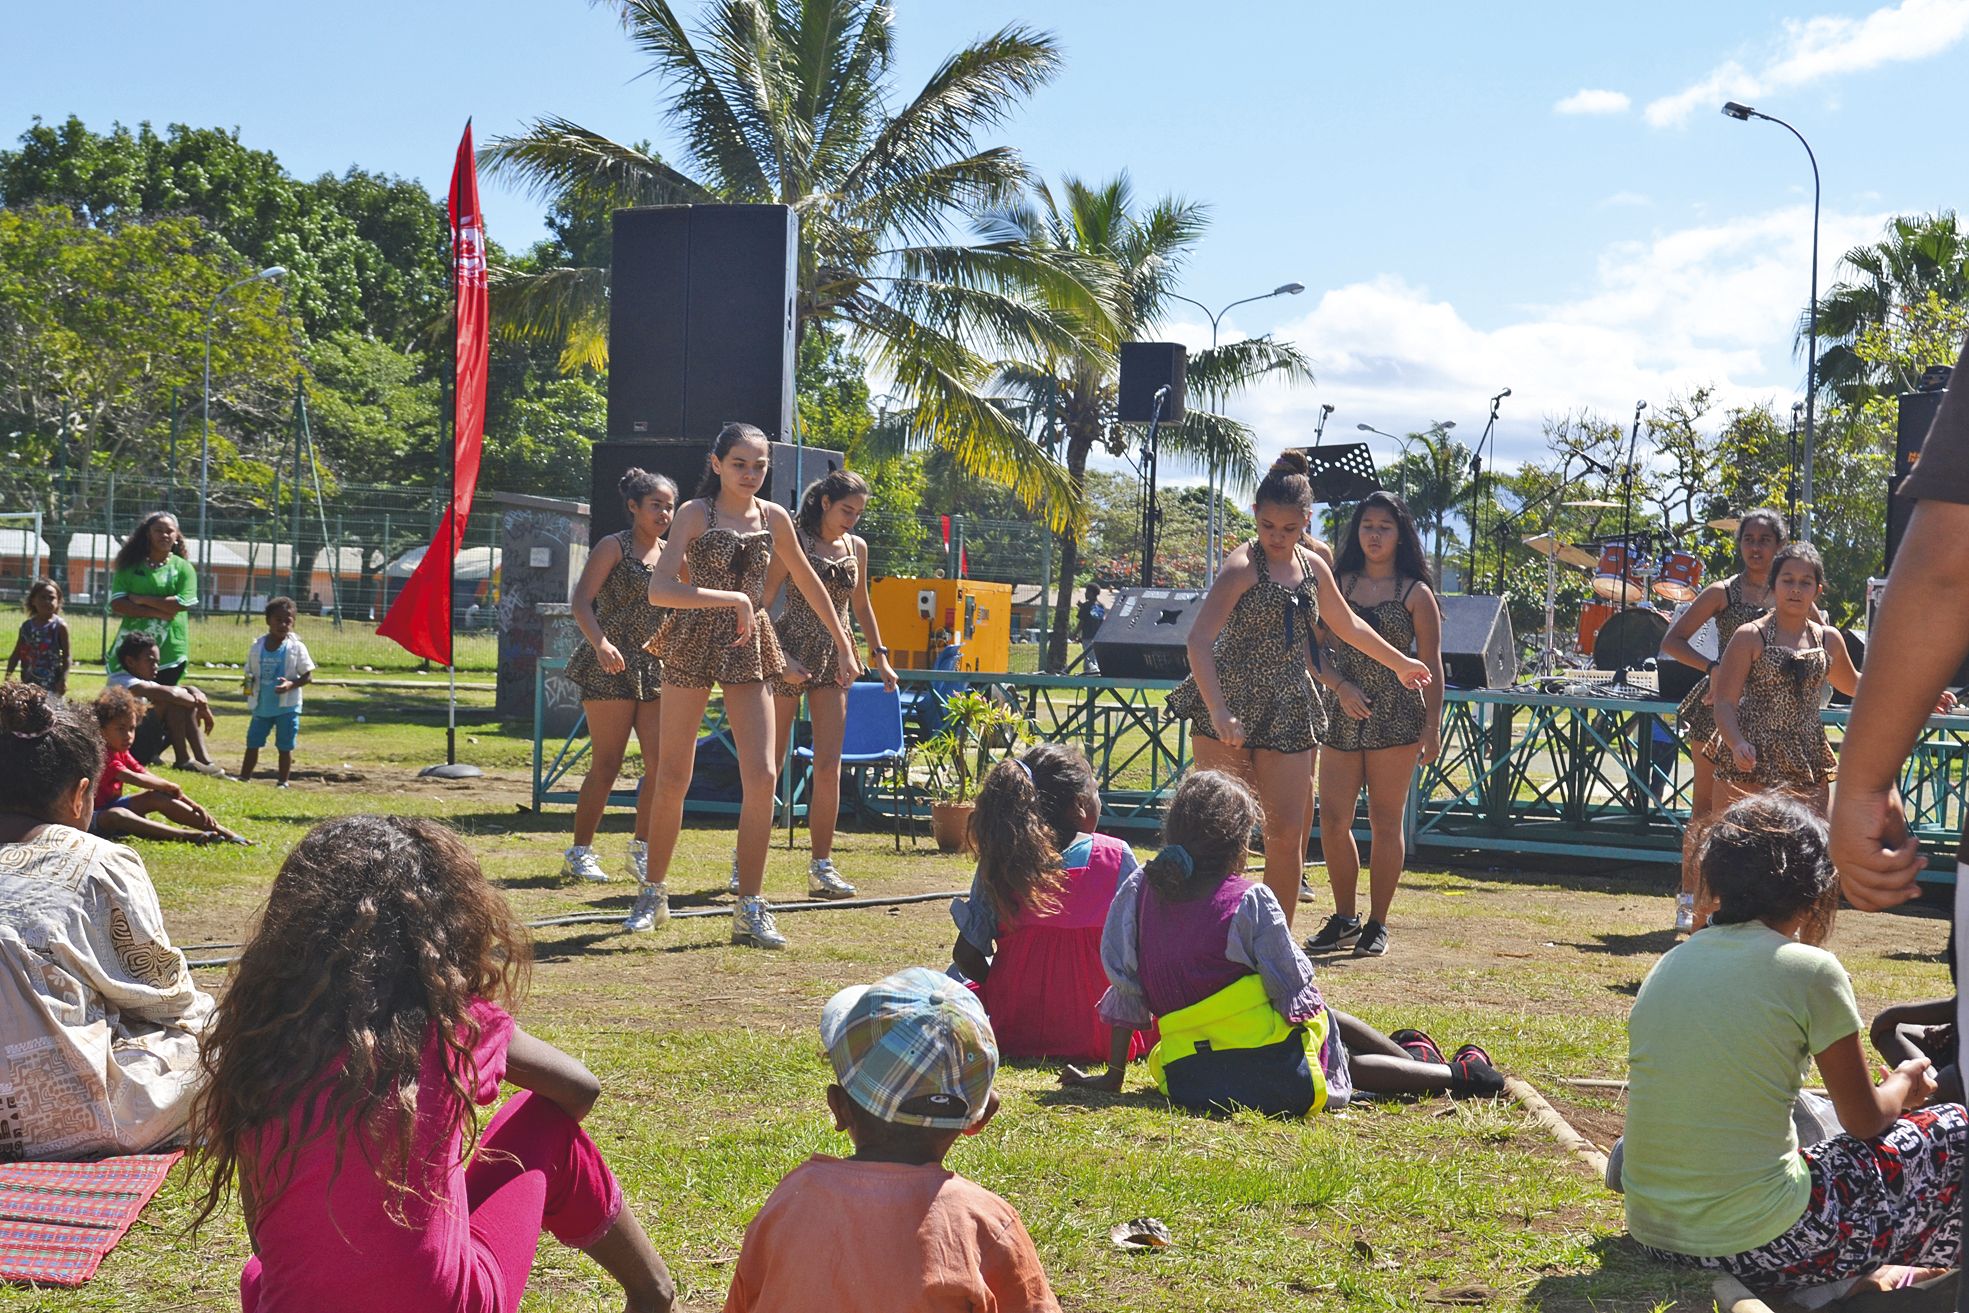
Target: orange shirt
{"type": "Point", "coordinates": [840, 1234]}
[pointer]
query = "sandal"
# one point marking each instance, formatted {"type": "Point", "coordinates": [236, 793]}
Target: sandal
{"type": "Point", "coordinates": [1420, 1046]}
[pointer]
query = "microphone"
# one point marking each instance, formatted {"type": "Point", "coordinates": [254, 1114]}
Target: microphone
{"type": "Point", "coordinates": [1162, 392]}
{"type": "Point", "coordinates": [1594, 463]}
{"type": "Point", "coordinates": [1640, 406]}
{"type": "Point", "coordinates": [1326, 410]}
{"type": "Point", "coordinates": [1500, 396]}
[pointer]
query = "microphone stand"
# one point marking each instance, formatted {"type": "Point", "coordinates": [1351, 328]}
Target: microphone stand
{"type": "Point", "coordinates": [1149, 510]}
{"type": "Point", "coordinates": [1627, 504]}
{"type": "Point", "coordinates": [1504, 532]}
{"type": "Point", "coordinates": [1476, 488]}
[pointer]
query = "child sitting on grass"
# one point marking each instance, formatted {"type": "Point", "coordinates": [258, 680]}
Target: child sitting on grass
{"type": "Point", "coordinates": [1194, 946]}
{"type": "Point", "coordinates": [1029, 936]}
{"type": "Point", "coordinates": [277, 666]}
{"type": "Point", "coordinates": [179, 714]}
{"type": "Point", "coordinates": [889, 1228]}
{"type": "Point", "coordinates": [1714, 1176]}
{"type": "Point", "coordinates": [117, 816]}
{"type": "Point", "coordinates": [364, 1025]}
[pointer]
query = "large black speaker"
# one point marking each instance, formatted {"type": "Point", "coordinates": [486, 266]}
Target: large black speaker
{"type": "Point", "coordinates": [792, 469]}
{"type": "Point", "coordinates": [1479, 650]}
{"type": "Point", "coordinates": [1917, 415]}
{"type": "Point", "coordinates": [1146, 633]}
{"type": "Point", "coordinates": [1145, 367]}
{"type": "Point", "coordinates": [701, 304]}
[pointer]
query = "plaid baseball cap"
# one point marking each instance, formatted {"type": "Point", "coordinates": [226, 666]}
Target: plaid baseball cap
{"type": "Point", "coordinates": [914, 1048]}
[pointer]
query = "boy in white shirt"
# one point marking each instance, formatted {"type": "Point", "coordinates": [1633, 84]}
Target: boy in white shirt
{"type": "Point", "coordinates": [277, 666]}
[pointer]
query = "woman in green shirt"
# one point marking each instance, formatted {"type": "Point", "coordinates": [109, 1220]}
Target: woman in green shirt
{"type": "Point", "coordinates": [152, 587]}
{"type": "Point", "coordinates": [1719, 1042]}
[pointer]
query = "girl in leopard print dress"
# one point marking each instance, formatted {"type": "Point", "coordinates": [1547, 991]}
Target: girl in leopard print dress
{"type": "Point", "coordinates": [829, 511]}
{"type": "Point", "coordinates": [718, 632]}
{"type": "Point", "coordinates": [1249, 699]}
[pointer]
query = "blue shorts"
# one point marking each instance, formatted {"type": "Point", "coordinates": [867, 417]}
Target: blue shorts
{"type": "Point", "coordinates": [285, 728]}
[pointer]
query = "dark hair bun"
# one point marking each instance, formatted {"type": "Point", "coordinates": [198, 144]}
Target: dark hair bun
{"type": "Point", "coordinates": [1292, 462]}
{"type": "Point", "coordinates": [632, 476]}
{"type": "Point", "coordinates": [24, 711]}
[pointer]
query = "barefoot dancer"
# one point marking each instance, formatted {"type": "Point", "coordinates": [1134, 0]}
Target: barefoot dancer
{"type": "Point", "coordinates": [719, 633]}
{"type": "Point", "coordinates": [1377, 730]}
{"type": "Point", "coordinates": [620, 679]}
{"type": "Point", "coordinates": [1249, 698]}
{"type": "Point", "coordinates": [828, 512]}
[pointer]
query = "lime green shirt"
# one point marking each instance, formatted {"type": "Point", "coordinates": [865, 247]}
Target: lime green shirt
{"type": "Point", "coordinates": [1718, 1044]}
{"type": "Point", "coordinates": [176, 578]}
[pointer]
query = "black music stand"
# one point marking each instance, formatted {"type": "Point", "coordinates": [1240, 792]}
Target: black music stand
{"type": "Point", "coordinates": [1342, 473]}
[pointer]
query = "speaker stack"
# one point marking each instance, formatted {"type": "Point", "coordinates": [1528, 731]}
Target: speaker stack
{"type": "Point", "coordinates": [1147, 367]}
{"type": "Point", "coordinates": [1916, 417]}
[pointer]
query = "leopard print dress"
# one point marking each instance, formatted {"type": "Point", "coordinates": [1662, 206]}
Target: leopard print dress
{"type": "Point", "coordinates": [1779, 715]}
{"type": "Point", "coordinates": [802, 633]}
{"type": "Point", "coordinates": [1395, 710]}
{"type": "Point", "coordinates": [699, 645]}
{"type": "Point", "coordinates": [1696, 716]}
{"type": "Point", "coordinates": [627, 620]}
{"type": "Point", "coordinates": [1261, 665]}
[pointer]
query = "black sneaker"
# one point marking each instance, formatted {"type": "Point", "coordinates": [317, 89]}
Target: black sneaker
{"type": "Point", "coordinates": [1373, 940]}
{"type": "Point", "coordinates": [1338, 932]}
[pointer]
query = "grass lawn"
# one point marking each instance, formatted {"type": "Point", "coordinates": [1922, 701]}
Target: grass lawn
{"type": "Point", "coordinates": [713, 1072]}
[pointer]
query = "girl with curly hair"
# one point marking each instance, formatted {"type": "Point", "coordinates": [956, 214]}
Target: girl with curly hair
{"type": "Point", "coordinates": [365, 1024]}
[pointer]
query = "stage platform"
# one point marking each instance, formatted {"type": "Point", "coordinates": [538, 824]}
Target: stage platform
{"type": "Point", "coordinates": [1564, 775]}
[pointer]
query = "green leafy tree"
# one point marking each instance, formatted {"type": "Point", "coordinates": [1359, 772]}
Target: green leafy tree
{"type": "Point", "coordinates": [787, 101]}
{"type": "Point", "coordinates": [1881, 283]}
{"type": "Point", "coordinates": [1433, 477]}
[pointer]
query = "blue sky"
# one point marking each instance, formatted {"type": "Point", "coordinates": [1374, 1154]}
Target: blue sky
{"type": "Point", "coordinates": [1539, 196]}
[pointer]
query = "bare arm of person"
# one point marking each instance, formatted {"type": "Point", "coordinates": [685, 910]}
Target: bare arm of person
{"type": "Point", "coordinates": [974, 964]}
{"type": "Point", "coordinates": [800, 572]}
{"type": "Point", "coordinates": [145, 608]}
{"type": "Point", "coordinates": [143, 779]}
{"type": "Point", "coordinates": [1428, 618]}
{"type": "Point", "coordinates": [1708, 605]}
{"type": "Point", "coordinates": [582, 599]}
{"type": "Point", "coordinates": [1727, 681]}
{"type": "Point", "coordinates": [1838, 661]}
{"type": "Point", "coordinates": [666, 585]}
{"type": "Point", "coordinates": [534, 1064]}
{"type": "Point", "coordinates": [1115, 1076]}
{"type": "Point", "coordinates": [1866, 1109]}
{"type": "Point", "coordinates": [1233, 581]}
{"type": "Point", "coordinates": [865, 614]}
{"type": "Point", "coordinates": [1358, 634]}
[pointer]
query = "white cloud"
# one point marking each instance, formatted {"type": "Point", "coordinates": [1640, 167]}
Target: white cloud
{"type": "Point", "coordinates": [1810, 50]}
{"type": "Point", "coordinates": [1709, 305]}
{"type": "Point", "coordinates": [1626, 198]}
{"type": "Point", "coordinates": [1590, 101]}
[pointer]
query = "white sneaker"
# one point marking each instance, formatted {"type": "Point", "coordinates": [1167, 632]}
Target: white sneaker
{"type": "Point", "coordinates": [1685, 913]}
{"type": "Point", "coordinates": [823, 881]}
{"type": "Point", "coordinates": [752, 925]}
{"type": "Point", "coordinates": [652, 909]}
{"type": "Point", "coordinates": [639, 861]}
{"type": "Point", "coordinates": [731, 885]}
{"type": "Point", "coordinates": [581, 863]}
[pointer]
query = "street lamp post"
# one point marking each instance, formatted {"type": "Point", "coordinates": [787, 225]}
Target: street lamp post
{"type": "Point", "coordinates": [205, 438]}
{"type": "Point", "coordinates": [1745, 113]}
{"type": "Point", "coordinates": [1214, 520]}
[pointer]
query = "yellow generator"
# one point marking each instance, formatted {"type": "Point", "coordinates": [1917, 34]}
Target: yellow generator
{"type": "Point", "coordinates": [921, 617]}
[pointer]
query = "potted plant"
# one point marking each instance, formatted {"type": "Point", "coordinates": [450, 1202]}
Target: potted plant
{"type": "Point", "coordinates": [977, 733]}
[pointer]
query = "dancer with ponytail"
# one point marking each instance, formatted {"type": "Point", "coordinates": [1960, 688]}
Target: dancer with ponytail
{"type": "Point", "coordinates": [1194, 946]}
{"type": "Point", "coordinates": [1377, 729]}
{"type": "Point", "coordinates": [620, 679]}
{"type": "Point", "coordinates": [829, 511]}
{"type": "Point", "coordinates": [1029, 936]}
{"type": "Point", "coordinates": [718, 633]}
{"type": "Point", "coordinates": [1249, 698]}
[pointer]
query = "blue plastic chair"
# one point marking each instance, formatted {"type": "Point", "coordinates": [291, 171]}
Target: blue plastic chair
{"type": "Point", "coordinates": [872, 737]}
{"type": "Point", "coordinates": [924, 704]}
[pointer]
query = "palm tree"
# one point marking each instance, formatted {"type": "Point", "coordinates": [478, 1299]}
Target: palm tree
{"type": "Point", "coordinates": [786, 101]}
{"type": "Point", "coordinates": [1071, 394]}
{"type": "Point", "coordinates": [1432, 476]}
{"type": "Point", "coordinates": [1920, 254]}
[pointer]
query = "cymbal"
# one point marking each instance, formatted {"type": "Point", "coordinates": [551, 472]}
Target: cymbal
{"type": "Point", "coordinates": [1612, 588]}
{"type": "Point", "coordinates": [1546, 545]}
{"type": "Point", "coordinates": [1593, 505]}
{"type": "Point", "coordinates": [1728, 524]}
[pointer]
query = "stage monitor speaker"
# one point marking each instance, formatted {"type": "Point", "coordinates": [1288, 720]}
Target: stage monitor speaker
{"type": "Point", "coordinates": [1917, 415]}
{"type": "Point", "coordinates": [1146, 633]}
{"type": "Point", "coordinates": [1145, 367]}
{"type": "Point", "coordinates": [791, 470]}
{"type": "Point", "coordinates": [1479, 650]}
{"type": "Point", "coordinates": [701, 306]}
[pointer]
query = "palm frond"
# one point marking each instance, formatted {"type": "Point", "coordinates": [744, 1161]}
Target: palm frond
{"type": "Point", "coordinates": [716, 135]}
{"type": "Point", "coordinates": [1235, 366]}
{"type": "Point", "coordinates": [566, 306]}
{"type": "Point", "coordinates": [554, 157]}
{"type": "Point", "coordinates": [915, 206]}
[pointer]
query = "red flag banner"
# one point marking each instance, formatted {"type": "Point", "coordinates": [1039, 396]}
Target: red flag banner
{"type": "Point", "coordinates": [946, 532]}
{"type": "Point", "coordinates": [963, 563]}
{"type": "Point", "coordinates": [420, 618]}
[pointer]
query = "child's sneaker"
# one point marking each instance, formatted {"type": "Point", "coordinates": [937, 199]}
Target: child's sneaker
{"type": "Point", "coordinates": [731, 885]}
{"type": "Point", "coordinates": [1472, 1075]}
{"type": "Point", "coordinates": [639, 861]}
{"type": "Point", "coordinates": [1685, 913]}
{"type": "Point", "coordinates": [1419, 1046]}
{"type": "Point", "coordinates": [1305, 890]}
{"type": "Point", "coordinates": [1338, 932]}
{"type": "Point", "coordinates": [580, 863]}
{"type": "Point", "coordinates": [652, 909]}
{"type": "Point", "coordinates": [823, 881]}
{"type": "Point", "coordinates": [752, 925]}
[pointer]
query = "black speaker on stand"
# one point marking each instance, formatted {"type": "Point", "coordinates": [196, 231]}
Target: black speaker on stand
{"type": "Point", "coordinates": [1479, 650]}
{"type": "Point", "coordinates": [1146, 633]}
{"type": "Point", "coordinates": [1147, 367]}
{"type": "Point", "coordinates": [1916, 417]}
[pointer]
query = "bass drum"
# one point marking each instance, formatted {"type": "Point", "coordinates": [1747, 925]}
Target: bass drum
{"type": "Point", "coordinates": [1629, 639]}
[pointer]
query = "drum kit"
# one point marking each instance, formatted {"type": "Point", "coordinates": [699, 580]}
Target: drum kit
{"type": "Point", "coordinates": [1639, 582]}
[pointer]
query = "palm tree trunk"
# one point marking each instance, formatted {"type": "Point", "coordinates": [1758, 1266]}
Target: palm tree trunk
{"type": "Point", "coordinates": [1078, 446]}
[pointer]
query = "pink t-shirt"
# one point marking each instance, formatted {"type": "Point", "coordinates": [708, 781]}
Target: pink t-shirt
{"type": "Point", "coordinates": [886, 1238]}
{"type": "Point", "coordinates": [323, 1247]}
